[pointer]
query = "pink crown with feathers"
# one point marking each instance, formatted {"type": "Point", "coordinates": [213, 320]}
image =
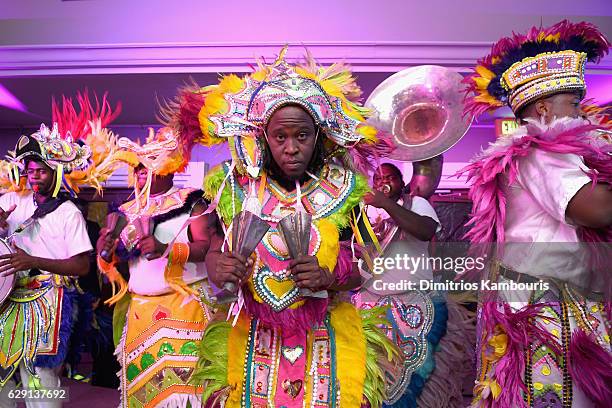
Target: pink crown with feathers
{"type": "Point", "coordinates": [526, 67]}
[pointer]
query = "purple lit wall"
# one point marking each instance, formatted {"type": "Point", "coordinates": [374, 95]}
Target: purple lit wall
{"type": "Point", "coordinates": [238, 21]}
{"type": "Point", "coordinates": [143, 50]}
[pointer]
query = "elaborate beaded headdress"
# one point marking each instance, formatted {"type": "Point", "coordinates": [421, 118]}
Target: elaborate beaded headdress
{"type": "Point", "coordinates": [237, 110]}
{"type": "Point", "coordinates": [523, 68]}
{"type": "Point", "coordinates": [167, 150]}
{"type": "Point", "coordinates": [79, 147]}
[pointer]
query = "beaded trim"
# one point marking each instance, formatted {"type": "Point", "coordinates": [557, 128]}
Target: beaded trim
{"type": "Point", "coordinates": [404, 311]}
{"type": "Point", "coordinates": [278, 304]}
{"type": "Point", "coordinates": [322, 369]}
{"type": "Point", "coordinates": [566, 333]}
{"type": "Point", "coordinates": [261, 368]}
{"type": "Point", "coordinates": [320, 198]}
{"type": "Point", "coordinates": [161, 204]}
{"type": "Point", "coordinates": [545, 64]}
{"type": "Point", "coordinates": [544, 74]}
{"type": "Point", "coordinates": [539, 356]}
{"type": "Point", "coordinates": [541, 87]}
{"type": "Point", "coordinates": [262, 364]}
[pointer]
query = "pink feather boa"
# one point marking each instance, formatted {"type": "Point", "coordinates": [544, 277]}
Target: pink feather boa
{"type": "Point", "coordinates": [498, 167]}
{"type": "Point", "coordinates": [590, 366]}
{"type": "Point", "coordinates": [495, 169]}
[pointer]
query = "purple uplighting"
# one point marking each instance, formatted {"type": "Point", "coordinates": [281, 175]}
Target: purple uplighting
{"type": "Point", "coordinates": [10, 101]}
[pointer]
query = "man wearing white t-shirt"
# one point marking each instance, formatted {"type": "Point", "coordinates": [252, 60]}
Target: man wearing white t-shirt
{"type": "Point", "coordinates": [35, 321]}
{"type": "Point", "coordinates": [404, 225]}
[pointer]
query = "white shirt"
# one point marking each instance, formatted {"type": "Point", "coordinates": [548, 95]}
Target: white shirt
{"type": "Point", "coordinates": [406, 244]}
{"type": "Point", "coordinates": [147, 277]}
{"type": "Point", "coordinates": [540, 240]}
{"type": "Point", "coordinates": [61, 234]}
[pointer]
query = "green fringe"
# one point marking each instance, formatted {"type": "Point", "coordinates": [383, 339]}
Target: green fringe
{"type": "Point", "coordinates": [214, 178]}
{"type": "Point", "coordinates": [341, 217]}
{"type": "Point", "coordinates": [212, 183]}
{"type": "Point", "coordinates": [378, 346]}
{"type": "Point", "coordinates": [211, 370]}
{"type": "Point", "coordinates": [120, 312]}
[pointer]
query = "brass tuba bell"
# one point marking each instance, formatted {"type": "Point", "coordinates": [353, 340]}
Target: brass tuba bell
{"type": "Point", "coordinates": [422, 108]}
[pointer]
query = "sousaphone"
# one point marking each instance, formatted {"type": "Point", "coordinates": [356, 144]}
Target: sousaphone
{"type": "Point", "coordinates": [422, 108]}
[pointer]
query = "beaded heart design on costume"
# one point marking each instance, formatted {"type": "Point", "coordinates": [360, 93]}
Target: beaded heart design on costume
{"type": "Point", "coordinates": [292, 353]}
{"type": "Point", "coordinates": [275, 291]}
{"type": "Point", "coordinates": [292, 388]}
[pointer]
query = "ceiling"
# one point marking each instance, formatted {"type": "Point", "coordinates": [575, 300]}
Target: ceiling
{"type": "Point", "coordinates": [142, 51]}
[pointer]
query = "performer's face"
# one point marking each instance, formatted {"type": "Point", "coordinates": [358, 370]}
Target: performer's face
{"type": "Point", "coordinates": [388, 175]}
{"type": "Point", "coordinates": [292, 136]}
{"type": "Point", "coordinates": [562, 105]}
{"type": "Point", "coordinates": [140, 173]}
{"type": "Point", "coordinates": [40, 177]}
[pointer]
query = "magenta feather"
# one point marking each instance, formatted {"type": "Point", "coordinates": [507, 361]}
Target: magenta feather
{"type": "Point", "coordinates": [366, 157]}
{"type": "Point", "coordinates": [310, 314]}
{"type": "Point", "coordinates": [76, 122]}
{"type": "Point", "coordinates": [590, 366]}
{"type": "Point", "coordinates": [521, 333]}
{"type": "Point", "coordinates": [487, 175]}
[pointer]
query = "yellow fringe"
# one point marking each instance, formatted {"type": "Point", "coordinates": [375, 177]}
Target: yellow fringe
{"type": "Point", "coordinates": [369, 133]}
{"type": "Point", "coordinates": [59, 173]}
{"type": "Point", "coordinates": [350, 353]}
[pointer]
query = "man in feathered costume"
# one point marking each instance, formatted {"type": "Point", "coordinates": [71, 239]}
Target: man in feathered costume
{"type": "Point", "coordinates": [299, 143]}
{"type": "Point", "coordinates": [50, 240]}
{"type": "Point", "coordinates": [161, 312]}
{"type": "Point", "coordinates": [164, 313]}
{"type": "Point", "coordinates": [542, 195]}
{"type": "Point", "coordinates": [435, 335]}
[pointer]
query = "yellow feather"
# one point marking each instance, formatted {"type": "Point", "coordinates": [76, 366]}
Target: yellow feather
{"type": "Point", "coordinates": [306, 73]}
{"type": "Point", "coordinates": [260, 74]}
{"type": "Point", "coordinates": [231, 83]}
{"type": "Point", "coordinates": [485, 72]}
{"type": "Point", "coordinates": [488, 99]}
{"type": "Point", "coordinates": [129, 158]}
{"type": "Point", "coordinates": [369, 133]}
{"type": "Point", "coordinates": [214, 103]}
{"type": "Point", "coordinates": [330, 246]}
{"type": "Point", "coordinates": [332, 88]}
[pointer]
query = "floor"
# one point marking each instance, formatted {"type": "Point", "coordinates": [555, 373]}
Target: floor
{"type": "Point", "coordinates": [85, 395]}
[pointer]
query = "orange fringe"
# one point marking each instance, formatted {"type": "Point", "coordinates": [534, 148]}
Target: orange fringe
{"type": "Point", "coordinates": [119, 284]}
{"type": "Point", "coordinates": [174, 269]}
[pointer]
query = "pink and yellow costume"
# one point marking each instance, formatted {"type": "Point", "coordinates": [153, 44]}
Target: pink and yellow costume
{"type": "Point", "coordinates": [286, 350]}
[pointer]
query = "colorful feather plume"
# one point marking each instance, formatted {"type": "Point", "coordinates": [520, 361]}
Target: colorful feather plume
{"type": "Point", "coordinates": [484, 87]}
